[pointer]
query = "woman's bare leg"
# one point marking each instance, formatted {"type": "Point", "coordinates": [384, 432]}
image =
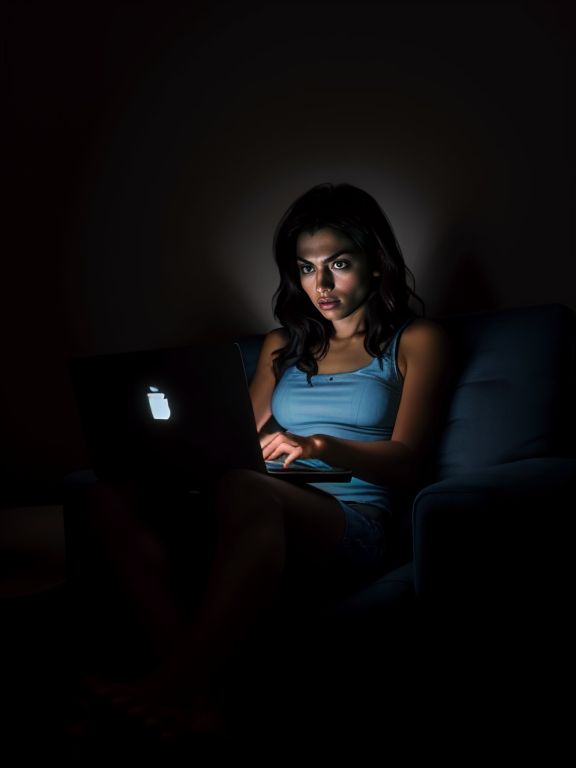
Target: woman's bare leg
{"type": "Point", "coordinates": [259, 520]}
{"type": "Point", "coordinates": [139, 559]}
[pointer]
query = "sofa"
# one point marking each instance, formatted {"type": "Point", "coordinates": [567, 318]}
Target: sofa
{"type": "Point", "coordinates": [479, 545]}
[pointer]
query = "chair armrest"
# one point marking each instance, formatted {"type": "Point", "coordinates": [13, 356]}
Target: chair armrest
{"type": "Point", "coordinates": [494, 533]}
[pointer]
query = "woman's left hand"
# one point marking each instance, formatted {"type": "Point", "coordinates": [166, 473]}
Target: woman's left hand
{"type": "Point", "coordinates": [294, 446]}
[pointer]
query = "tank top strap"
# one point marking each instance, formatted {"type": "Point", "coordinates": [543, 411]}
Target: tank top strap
{"type": "Point", "coordinates": [393, 346]}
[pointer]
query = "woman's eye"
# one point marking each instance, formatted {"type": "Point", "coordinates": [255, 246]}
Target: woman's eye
{"type": "Point", "coordinates": [307, 269]}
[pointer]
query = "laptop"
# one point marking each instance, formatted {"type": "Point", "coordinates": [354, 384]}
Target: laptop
{"type": "Point", "coordinates": [180, 415]}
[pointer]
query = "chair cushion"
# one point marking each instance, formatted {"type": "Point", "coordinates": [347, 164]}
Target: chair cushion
{"type": "Point", "coordinates": [512, 397]}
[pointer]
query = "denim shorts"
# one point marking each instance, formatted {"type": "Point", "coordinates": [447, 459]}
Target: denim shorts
{"type": "Point", "coordinates": [362, 547]}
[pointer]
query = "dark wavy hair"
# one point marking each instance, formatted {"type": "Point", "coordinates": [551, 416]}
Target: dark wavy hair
{"type": "Point", "coordinates": [356, 214]}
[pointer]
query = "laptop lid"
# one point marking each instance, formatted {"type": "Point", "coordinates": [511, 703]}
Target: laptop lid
{"type": "Point", "coordinates": [180, 415]}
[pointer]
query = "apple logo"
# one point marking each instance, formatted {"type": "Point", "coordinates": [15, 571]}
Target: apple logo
{"type": "Point", "coordinates": [158, 405]}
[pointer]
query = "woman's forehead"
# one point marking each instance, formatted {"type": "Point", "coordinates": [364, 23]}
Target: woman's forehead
{"type": "Point", "coordinates": [323, 242]}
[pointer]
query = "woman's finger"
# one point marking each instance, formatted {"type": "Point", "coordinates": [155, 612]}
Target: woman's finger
{"type": "Point", "coordinates": [296, 453]}
{"type": "Point", "coordinates": [277, 446]}
{"type": "Point", "coordinates": [290, 451]}
{"type": "Point", "coordinates": [267, 440]}
{"type": "Point", "coordinates": [277, 450]}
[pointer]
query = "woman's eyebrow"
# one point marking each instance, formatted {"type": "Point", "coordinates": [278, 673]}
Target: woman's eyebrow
{"type": "Point", "coordinates": [348, 251]}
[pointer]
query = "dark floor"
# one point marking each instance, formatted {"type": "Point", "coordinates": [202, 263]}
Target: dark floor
{"type": "Point", "coordinates": [292, 700]}
{"type": "Point", "coordinates": [46, 702]}
{"type": "Point", "coordinates": [406, 684]}
{"type": "Point", "coordinates": [288, 692]}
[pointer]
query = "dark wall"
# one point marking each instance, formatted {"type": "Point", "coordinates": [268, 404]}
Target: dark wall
{"type": "Point", "coordinates": [153, 148]}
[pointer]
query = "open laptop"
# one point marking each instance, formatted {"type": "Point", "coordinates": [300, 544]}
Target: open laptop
{"type": "Point", "coordinates": [181, 415]}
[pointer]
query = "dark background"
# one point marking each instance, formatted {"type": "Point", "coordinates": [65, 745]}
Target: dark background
{"type": "Point", "coordinates": [152, 148]}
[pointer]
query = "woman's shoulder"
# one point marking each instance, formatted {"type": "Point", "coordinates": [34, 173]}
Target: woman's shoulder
{"type": "Point", "coordinates": [277, 336]}
{"type": "Point", "coordinates": [423, 338]}
{"type": "Point", "coordinates": [423, 327]}
{"type": "Point", "coordinates": [274, 341]}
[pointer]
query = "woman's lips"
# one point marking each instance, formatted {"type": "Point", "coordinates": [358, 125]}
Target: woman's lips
{"type": "Point", "coordinates": [328, 304]}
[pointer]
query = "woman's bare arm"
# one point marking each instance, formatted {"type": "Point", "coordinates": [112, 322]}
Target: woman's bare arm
{"type": "Point", "coordinates": [263, 381]}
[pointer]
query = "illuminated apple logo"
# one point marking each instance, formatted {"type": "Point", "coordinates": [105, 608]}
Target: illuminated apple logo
{"type": "Point", "coordinates": [158, 405]}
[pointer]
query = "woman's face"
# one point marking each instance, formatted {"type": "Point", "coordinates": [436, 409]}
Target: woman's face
{"type": "Point", "coordinates": [334, 273]}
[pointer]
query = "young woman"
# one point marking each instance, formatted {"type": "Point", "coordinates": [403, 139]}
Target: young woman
{"type": "Point", "coordinates": [355, 379]}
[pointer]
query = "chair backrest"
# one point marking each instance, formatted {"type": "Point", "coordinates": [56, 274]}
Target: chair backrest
{"type": "Point", "coordinates": [514, 389]}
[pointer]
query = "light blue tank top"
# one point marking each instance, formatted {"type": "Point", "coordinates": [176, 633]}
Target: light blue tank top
{"type": "Point", "coordinates": [356, 405]}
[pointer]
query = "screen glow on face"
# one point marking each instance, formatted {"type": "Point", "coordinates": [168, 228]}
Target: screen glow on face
{"type": "Point", "coordinates": [338, 265]}
{"type": "Point", "coordinates": [334, 273]}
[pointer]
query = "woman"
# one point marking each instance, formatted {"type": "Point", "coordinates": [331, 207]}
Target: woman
{"type": "Point", "coordinates": [356, 380]}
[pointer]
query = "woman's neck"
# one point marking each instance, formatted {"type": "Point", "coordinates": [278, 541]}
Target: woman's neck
{"type": "Point", "coordinates": [350, 328]}
{"type": "Point", "coordinates": [342, 340]}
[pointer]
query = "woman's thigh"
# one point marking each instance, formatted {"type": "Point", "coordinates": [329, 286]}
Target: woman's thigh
{"type": "Point", "coordinates": [313, 520]}
{"type": "Point", "coordinates": [324, 537]}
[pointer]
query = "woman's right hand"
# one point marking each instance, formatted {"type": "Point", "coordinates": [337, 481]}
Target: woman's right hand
{"type": "Point", "coordinates": [294, 447]}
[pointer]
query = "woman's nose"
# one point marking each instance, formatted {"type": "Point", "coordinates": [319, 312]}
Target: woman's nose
{"type": "Point", "coordinates": [324, 280]}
